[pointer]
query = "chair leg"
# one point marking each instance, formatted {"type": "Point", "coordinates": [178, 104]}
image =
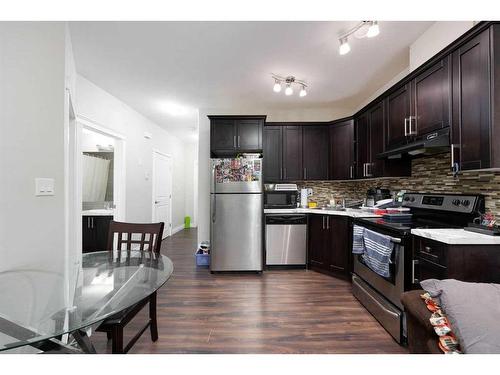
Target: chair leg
{"type": "Point", "coordinates": [152, 317]}
{"type": "Point", "coordinates": [117, 340]}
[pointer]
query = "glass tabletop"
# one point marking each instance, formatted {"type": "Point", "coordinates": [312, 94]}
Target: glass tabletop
{"type": "Point", "coordinates": [37, 305]}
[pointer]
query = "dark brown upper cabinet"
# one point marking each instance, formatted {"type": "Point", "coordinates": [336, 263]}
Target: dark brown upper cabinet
{"type": "Point", "coordinates": [230, 135]}
{"type": "Point", "coordinates": [376, 132]}
{"type": "Point", "coordinates": [370, 142]}
{"type": "Point", "coordinates": [292, 153]}
{"type": "Point", "coordinates": [342, 150]}
{"type": "Point", "coordinates": [362, 145]}
{"type": "Point", "coordinates": [398, 109]}
{"type": "Point", "coordinates": [315, 152]}
{"type": "Point", "coordinates": [272, 161]}
{"type": "Point", "coordinates": [473, 77]}
{"type": "Point", "coordinates": [431, 99]}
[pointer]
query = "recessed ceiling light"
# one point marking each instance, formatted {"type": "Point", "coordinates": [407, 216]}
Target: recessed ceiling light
{"type": "Point", "coordinates": [173, 109]}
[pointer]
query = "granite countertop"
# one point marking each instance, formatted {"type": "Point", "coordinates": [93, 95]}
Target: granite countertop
{"type": "Point", "coordinates": [98, 212]}
{"type": "Point", "coordinates": [351, 212]}
{"type": "Point", "coordinates": [457, 236]}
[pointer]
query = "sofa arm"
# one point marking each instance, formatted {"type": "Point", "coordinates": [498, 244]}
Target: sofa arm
{"type": "Point", "coordinates": [421, 336]}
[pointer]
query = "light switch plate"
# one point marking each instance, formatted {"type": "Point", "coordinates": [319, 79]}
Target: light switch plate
{"type": "Point", "coordinates": [44, 186]}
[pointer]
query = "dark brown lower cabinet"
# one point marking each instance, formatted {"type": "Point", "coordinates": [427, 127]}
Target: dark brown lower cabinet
{"type": "Point", "coordinates": [436, 260]}
{"type": "Point", "coordinates": [95, 233]}
{"type": "Point", "coordinates": [329, 244]}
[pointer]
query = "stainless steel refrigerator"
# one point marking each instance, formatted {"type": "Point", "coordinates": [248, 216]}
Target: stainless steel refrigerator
{"type": "Point", "coordinates": [236, 209]}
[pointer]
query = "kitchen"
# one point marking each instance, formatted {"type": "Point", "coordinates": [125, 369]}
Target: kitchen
{"type": "Point", "coordinates": [417, 164]}
{"type": "Point", "coordinates": [294, 194]}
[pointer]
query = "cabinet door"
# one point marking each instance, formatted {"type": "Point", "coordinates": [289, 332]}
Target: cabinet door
{"type": "Point", "coordinates": [342, 151]}
{"type": "Point", "coordinates": [272, 168]}
{"type": "Point", "coordinates": [376, 121]}
{"type": "Point", "coordinates": [432, 99]}
{"type": "Point", "coordinates": [362, 145]}
{"type": "Point", "coordinates": [101, 229]}
{"type": "Point", "coordinates": [88, 235]}
{"type": "Point", "coordinates": [292, 153]}
{"type": "Point", "coordinates": [315, 152]}
{"type": "Point", "coordinates": [339, 250]}
{"type": "Point", "coordinates": [222, 135]}
{"type": "Point", "coordinates": [471, 102]}
{"type": "Point", "coordinates": [397, 109]}
{"type": "Point", "coordinates": [249, 134]}
{"type": "Point", "coordinates": [317, 241]}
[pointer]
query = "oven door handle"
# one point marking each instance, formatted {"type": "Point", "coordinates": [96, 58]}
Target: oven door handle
{"type": "Point", "coordinates": [413, 264]}
{"type": "Point", "coordinates": [395, 240]}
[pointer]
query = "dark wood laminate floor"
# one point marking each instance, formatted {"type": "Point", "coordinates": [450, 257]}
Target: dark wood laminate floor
{"type": "Point", "coordinates": [294, 311]}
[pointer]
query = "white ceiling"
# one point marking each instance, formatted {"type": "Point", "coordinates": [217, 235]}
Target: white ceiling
{"type": "Point", "coordinates": [150, 65]}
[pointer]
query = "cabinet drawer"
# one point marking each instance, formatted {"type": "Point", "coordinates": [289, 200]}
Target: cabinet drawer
{"type": "Point", "coordinates": [432, 251]}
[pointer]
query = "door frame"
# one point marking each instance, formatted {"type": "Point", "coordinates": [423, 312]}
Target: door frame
{"type": "Point", "coordinates": [119, 171]}
{"type": "Point", "coordinates": [153, 184]}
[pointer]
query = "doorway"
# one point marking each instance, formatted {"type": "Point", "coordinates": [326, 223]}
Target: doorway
{"type": "Point", "coordinates": [162, 190]}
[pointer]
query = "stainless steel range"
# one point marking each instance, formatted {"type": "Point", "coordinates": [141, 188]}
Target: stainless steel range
{"type": "Point", "coordinates": [380, 294]}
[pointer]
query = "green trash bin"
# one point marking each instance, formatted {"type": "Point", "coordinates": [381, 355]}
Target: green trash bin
{"type": "Point", "coordinates": [187, 222]}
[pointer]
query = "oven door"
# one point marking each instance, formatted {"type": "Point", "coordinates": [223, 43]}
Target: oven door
{"type": "Point", "coordinates": [390, 287]}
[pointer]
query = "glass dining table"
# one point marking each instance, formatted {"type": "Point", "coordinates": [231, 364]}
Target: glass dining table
{"type": "Point", "coordinates": [40, 312]}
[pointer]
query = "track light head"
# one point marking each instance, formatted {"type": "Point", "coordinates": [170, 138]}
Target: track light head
{"type": "Point", "coordinates": [344, 46]}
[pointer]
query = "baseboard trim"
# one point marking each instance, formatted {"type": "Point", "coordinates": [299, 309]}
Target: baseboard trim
{"type": "Point", "coordinates": [177, 229]}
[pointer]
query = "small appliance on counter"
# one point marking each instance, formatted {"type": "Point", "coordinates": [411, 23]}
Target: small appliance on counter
{"type": "Point", "coordinates": [280, 195]}
{"type": "Point", "coordinates": [374, 195]}
{"type": "Point", "coordinates": [304, 196]}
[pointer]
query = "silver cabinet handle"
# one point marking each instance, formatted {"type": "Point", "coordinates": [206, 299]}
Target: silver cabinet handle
{"type": "Point", "coordinates": [234, 141]}
{"type": "Point", "coordinates": [416, 130]}
{"type": "Point", "coordinates": [328, 222]}
{"type": "Point", "coordinates": [88, 222]}
{"type": "Point", "coordinates": [238, 141]}
{"type": "Point", "coordinates": [323, 226]}
{"type": "Point", "coordinates": [413, 264]}
{"type": "Point", "coordinates": [305, 173]}
{"type": "Point", "coordinates": [284, 173]}
{"type": "Point", "coordinates": [406, 125]}
{"type": "Point", "coordinates": [351, 174]}
{"type": "Point", "coordinates": [455, 166]}
{"type": "Point", "coordinates": [281, 173]}
{"type": "Point", "coordinates": [369, 169]}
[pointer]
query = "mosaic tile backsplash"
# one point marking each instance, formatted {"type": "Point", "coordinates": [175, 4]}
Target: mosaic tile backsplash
{"type": "Point", "coordinates": [430, 174]}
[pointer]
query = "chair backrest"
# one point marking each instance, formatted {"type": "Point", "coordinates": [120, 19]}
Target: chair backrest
{"type": "Point", "coordinates": [135, 236]}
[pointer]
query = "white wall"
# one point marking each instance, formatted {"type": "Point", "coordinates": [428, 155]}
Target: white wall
{"type": "Point", "coordinates": [434, 39]}
{"type": "Point", "coordinates": [99, 106]}
{"type": "Point", "coordinates": [32, 82]}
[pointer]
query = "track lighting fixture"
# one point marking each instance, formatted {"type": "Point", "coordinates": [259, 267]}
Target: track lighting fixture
{"type": "Point", "coordinates": [364, 29]}
{"type": "Point", "coordinates": [289, 82]}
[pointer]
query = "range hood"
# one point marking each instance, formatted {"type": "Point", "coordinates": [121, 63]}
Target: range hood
{"type": "Point", "coordinates": [429, 144]}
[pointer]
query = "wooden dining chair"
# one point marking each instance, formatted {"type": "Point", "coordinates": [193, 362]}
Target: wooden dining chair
{"type": "Point", "coordinates": [126, 239]}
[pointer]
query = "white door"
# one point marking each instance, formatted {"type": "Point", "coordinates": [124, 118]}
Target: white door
{"type": "Point", "coordinates": [162, 191]}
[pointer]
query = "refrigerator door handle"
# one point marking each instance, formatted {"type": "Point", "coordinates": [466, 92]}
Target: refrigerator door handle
{"type": "Point", "coordinates": [212, 204]}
